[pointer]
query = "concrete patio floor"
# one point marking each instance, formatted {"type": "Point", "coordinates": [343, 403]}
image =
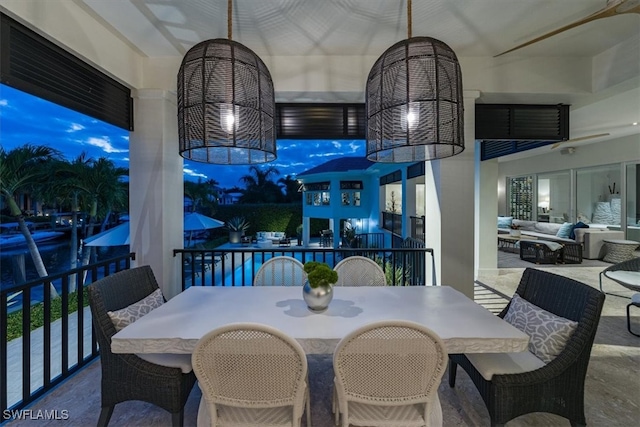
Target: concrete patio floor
{"type": "Point", "coordinates": [612, 384]}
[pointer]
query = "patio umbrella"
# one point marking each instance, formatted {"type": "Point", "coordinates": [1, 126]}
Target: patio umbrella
{"type": "Point", "coordinates": [195, 221]}
{"type": "Point", "coordinates": [119, 235]}
{"type": "Point", "coordinates": [116, 236]}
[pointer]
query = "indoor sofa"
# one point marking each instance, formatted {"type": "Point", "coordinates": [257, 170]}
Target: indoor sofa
{"type": "Point", "coordinates": [591, 238]}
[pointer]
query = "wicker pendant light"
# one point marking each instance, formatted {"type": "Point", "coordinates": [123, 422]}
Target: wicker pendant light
{"type": "Point", "coordinates": [414, 102]}
{"type": "Point", "coordinates": [226, 104]}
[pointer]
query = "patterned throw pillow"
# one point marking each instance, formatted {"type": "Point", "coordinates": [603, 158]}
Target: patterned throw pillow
{"type": "Point", "coordinates": [130, 314]}
{"type": "Point", "coordinates": [548, 333]}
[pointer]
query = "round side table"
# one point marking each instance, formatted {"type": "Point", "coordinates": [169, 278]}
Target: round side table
{"type": "Point", "coordinates": [619, 250]}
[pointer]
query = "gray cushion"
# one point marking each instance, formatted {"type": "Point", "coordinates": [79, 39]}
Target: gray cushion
{"type": "Point", "coordinates": [548, 228]}
{"type": "Point", "coordinates": [133, 312]}
{"type": "Point", "coordinates": [548, 333]}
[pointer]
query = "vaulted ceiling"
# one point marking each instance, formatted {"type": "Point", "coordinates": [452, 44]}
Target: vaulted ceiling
{"type": "Point", "coordinates": [602, 85]}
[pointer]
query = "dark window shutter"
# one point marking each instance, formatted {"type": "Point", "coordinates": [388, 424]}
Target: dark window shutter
{"type": "Point", "coordinates": [33, 64]}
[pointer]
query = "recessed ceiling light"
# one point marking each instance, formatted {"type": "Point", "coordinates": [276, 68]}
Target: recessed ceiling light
{"type": "Point", "coordinates": [635, 123]}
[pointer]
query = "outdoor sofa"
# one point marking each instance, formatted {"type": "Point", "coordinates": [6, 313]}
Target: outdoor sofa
{"type": "Point", "coordinates": [591, 238]}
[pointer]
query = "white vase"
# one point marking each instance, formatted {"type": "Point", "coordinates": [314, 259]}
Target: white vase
{"type": "Point", "coordinates": [602, 213]}
{"type": "Point", "coordinates": [615, 210]}
{"type": "Point", "coordinates": [515, 233]}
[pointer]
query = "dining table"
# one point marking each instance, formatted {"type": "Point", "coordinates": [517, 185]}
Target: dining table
{"type": "Point", "coordinates": [176, 326]}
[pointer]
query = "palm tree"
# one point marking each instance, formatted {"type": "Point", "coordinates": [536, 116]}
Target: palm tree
{"type": "Point", "coordinates": [259, 187]}
{"type": "Point", "coordinates": [103, 190]}
{"type": "Point", "coordinates": [202, 194]}
{"type": "Point", "coordinates": [290, 187]}
{"type": "Point", "coordinates": [70, 187]}
{"type": "Point", "coordinates": [21, 171]}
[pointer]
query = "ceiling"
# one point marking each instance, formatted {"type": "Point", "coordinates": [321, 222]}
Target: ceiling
{"type": "Point", "coordinates": [363, 27]}
{"type": "Point", "coordinates": [473, 28]}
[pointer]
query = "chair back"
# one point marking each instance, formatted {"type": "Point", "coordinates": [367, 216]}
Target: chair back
{"type": "Point", "coordinates": [251, 366]}
{"type": "Point", "coordinates": [408, 361]}
{"type": "Point", "coordinates": [358, 270]}
{"type": "Point", "coordinates": [115, 292]}
{"type": "Point", "coordinates": [570, 299]}
{"type": "Point", "coordinates": [280, 271]}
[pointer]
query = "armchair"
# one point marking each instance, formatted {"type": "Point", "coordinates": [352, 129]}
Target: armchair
{"type": "Point", "coordinates": [127, 376]}
{"type": "Point", "coordinates": [558, 386]}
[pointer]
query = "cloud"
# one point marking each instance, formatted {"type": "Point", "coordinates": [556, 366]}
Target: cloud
{"type": "Point", "coordinates": [191, 172]}
{"type": "Point", "coordinates": [3, 102]}
{"type": "Point", "coordinates": [75, 127]}
{"type": "Point", "coordinates": [105, 144]}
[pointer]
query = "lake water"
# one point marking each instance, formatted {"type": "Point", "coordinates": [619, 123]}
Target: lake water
{"type": "Point", "coordinates": [56, 257]}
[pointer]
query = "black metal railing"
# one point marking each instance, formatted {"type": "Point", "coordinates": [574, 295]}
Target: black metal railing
{"type": "Point", "coordinates": [61, 327]}
{"type": "Point", "coordinates": [238, 267]}
{"type": "Point", "coordinates": [392, 222]}
{"type": "Point", "coordinates": [417, 227]}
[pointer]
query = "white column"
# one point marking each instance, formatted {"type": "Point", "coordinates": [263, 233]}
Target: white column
{"type": "Point", "coordinates": [486, 207]}
{"type": "Point", "coordinates": [156, 187]}
{"type": "Point", "coordinates": [449, 210]}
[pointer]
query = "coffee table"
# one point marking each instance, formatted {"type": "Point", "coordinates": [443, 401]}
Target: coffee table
{"type": "Point", "coordinates": [619, 250]}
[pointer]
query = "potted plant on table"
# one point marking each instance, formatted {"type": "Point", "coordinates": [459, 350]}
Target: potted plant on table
{"type": "Point", "coordinates": [237, 226]}
{"type": "Point", "coordinates": [515, 230]}
{"type": "Point", "coordinates": [318, 289]}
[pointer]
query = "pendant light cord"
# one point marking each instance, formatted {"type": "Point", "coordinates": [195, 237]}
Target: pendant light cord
{"type": "Point", "coordinates": [409, 19]}
{"type": "Point", "coordinates": [229, 20]}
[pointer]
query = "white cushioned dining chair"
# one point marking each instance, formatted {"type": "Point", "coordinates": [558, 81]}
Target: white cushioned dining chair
{"type": "Point", "coordinates": [280, 271]}
{"type": "Point", "coordinates": [251, 375]}
{"type": "Point", "coordinates": [387, 374]}
{"type": "Point", "coordinates": [358, 270]}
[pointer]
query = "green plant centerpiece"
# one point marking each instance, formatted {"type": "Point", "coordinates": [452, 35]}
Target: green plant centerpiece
{"type": "Point", "coordinates": [318, 289]}
{"type": "Point", "coordinates": [237, 227]}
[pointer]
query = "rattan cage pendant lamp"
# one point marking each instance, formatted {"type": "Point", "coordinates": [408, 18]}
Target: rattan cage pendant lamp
{"type": "Point", "coordinates": [414, 102]}
{"type": "Point", "coordinates": [226, 104]}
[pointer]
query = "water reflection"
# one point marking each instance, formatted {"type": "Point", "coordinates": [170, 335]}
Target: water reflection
{"type": "Point", "coordinates": [55, 255]}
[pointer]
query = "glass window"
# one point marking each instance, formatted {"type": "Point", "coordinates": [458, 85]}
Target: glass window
{"type": "Point", "coordinates": [632, 202]}
{"type": "Point", "coordinates": [350, 198]}
{"type": "Point", "coordinates": [597, 192]}
{"type": "Point", "coordinates": [554, 197]}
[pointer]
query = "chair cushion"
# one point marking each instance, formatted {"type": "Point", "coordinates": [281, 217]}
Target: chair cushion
{"type": "Point", "coordinates": [133, 312]}
{"type": "Point", "coordinates": [490, 364]}
{"type": "Point", "coordinates": [182, 361]}
{"type": "Point", "coordinates": [548, 333]}
{"type": "Point", "coordinates": [631, 278]}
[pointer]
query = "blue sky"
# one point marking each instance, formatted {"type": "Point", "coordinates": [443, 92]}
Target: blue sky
{"type": "Point", "coordinates": [27, 119]}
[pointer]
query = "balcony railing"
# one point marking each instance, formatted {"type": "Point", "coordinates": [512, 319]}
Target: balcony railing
{"type": "Point", "coordinates": [238, 267]}
{"type": "Point", "coordinates": [51, 342]}
{"type": "Point", "coordinates": [417, 227]}
{"type": "Point", "coordinates": [392, 222]}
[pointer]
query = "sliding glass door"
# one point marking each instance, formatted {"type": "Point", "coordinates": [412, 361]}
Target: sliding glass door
{"type": "Point", "coordinates": [632, 202]}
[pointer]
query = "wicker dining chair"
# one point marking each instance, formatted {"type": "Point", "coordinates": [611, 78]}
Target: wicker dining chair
{"type": "Point", "coordinates": [358, 270]}
{"type": "Point", "coordinates": [127, 376]}
{"type": "Point", "coordinates": [387, 374]}
{"type": "Point", "coordinates": [251, 375]}
{"type": "Point", "coordinates": [280, 271]}
{"type": "Point", "coordinates": [557, 386]}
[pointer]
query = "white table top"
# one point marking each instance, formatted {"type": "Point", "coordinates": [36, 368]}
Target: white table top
{"type": "Point", "coordinates": [177, 325]}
